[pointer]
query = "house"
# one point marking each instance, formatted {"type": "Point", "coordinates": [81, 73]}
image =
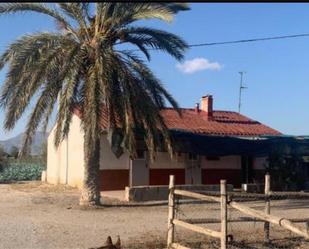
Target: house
{"type": "Point", "coordinates": [65, 164]}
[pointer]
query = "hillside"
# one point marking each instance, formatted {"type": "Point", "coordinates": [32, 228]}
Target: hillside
{"type": "Point", "coordinates": [38, 139]}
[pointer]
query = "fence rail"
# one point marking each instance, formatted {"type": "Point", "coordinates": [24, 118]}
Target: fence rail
{"type": "Point", "coordinates": [283, 222]}
{"type": "Point", "coordinates": [202, 197]}
{"type": "Point", "coordinates": [225, 200]}
{"type": "Point", "coordinates": [172, 221]}
{"type": "Point", "coordinates": [197, 229]}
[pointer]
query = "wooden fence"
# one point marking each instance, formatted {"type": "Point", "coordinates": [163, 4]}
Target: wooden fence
{"type": "Point", "coordinates": [265, 216]}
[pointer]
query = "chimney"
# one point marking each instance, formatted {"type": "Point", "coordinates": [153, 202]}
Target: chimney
{"type": "Point", "coordinates": [197, 108]}
{"type": "Point", "coordinates": [206, 105]}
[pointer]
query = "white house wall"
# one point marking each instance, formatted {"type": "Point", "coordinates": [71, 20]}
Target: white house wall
{"type": "Point", "coordinates": [233, 162]}
{"type": "Point", "coordinates": [62, 152]}
{"type": "Point", "coordinates": [52, 160]}
{"type": "Point", "coordinates": [76, 154]}
{"type": "Point", "coordinates": [164, 161]}
{"type": "Point", "coordinates": [225, 162]}
{"type": "Point", "coordinates": [114, 172]}
{"type": "Point", "coordinates": [65, 163]}
{"type": "Point", "coordinates": [56, 161]}
{"type": "Point", "coordinates": [108, 160]}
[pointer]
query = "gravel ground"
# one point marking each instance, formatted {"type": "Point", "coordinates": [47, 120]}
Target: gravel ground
{"type": "Point", "coordinates": [36, 215]}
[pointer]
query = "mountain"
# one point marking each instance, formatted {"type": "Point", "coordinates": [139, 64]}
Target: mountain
{"type": "Point", "coordinates": [36, 147]}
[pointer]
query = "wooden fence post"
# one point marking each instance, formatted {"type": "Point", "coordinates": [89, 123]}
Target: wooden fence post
{"type": "Point", "coordinates": [223, 214]}
{"type": "Point", "coordinates": [171, 212]}
{"type": "Point", "coordinates": [267, 207]}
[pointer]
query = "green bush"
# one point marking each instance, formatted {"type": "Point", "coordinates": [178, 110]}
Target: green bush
{"type": "Point", "coordinates": [21, 172]}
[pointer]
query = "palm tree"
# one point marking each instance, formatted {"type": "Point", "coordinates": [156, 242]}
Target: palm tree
{"type": "Point", "coordinates": [84, 65]}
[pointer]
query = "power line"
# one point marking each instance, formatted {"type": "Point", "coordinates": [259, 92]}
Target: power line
{"type": "Point", "coordinates": [240, 41]}
{"type": "Point", "coordinates": [249, 40]}
{"type": "Point", "coordinates": [231, 42]}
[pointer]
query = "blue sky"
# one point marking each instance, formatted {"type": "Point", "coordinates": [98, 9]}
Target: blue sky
{"type": "Point", "coordinates": [277, 72]}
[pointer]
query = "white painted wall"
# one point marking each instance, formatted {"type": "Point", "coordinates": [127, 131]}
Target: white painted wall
{"type": "Point", "coordinates": [65, 163]}
{"type": "Point", "coordinates": [53, 155]}
{"type": "Point", "coordinates": [108, 160]}
{"type": "Point", "coordinates": [225, 162]}
{"type": "Point", "coordinates": [164, 161]}
{"type": "Point", "coordinates": [76, 154]}
{"type": "Point", "coordinates": [56, 160]}
{"type": "Point", "coordinates": [62, 157]}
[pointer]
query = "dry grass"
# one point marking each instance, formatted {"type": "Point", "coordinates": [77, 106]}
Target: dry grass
{"type": "Point", "coordinates": [150, 242]}
{"type": "Point", "coordinates": [42, 186]}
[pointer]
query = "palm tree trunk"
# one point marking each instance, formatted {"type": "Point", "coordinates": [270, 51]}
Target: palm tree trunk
{"type": "Point", "coordinates": [90, 194]}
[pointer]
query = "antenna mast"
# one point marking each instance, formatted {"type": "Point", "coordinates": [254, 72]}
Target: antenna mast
{"type": "Point", "coordinates": [241, 88]}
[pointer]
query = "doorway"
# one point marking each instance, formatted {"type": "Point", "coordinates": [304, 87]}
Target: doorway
{"type": "Point", "coordinates": [247, 169]}
{"type": "Point", "coordinates": [139, 170]}
{"type": "Point", "coordinates": [193, 170]}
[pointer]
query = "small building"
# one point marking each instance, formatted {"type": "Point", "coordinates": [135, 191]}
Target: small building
{"type": "Point", "coordinates": [190, 166]}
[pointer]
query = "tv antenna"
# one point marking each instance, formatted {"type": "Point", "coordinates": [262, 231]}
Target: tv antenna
{"type": "Point", "coordinates": [241, 88]}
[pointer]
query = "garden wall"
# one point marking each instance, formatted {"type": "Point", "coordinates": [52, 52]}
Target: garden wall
{"type": "Point", "coordinates": [156, 193]}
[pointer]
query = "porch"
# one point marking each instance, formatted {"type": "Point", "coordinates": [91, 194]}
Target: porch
{"type": "Point", "coordinates": [201, 159]}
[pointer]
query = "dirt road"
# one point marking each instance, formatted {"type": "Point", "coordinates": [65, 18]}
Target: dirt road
{"type": "Point", "coordinates": [41, 216]}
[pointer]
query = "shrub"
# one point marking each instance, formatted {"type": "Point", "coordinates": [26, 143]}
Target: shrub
{"type": "Point", "coordinates": [21, 172]}
{"type": "Point", "coordinates": [287, 172]}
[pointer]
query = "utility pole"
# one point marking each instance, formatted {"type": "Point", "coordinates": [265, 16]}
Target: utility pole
{"type": "Point", "coordinates": [241, 87]}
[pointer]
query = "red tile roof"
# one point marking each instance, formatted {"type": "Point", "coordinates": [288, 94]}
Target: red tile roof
{"type": "Point", "coordinates": [225, 123]}
{"type": "Point", "coordinates": [221, 123]}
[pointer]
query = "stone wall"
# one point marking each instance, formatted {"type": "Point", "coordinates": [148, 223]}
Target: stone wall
{"type": "Point", "coordinates": [158, 193]}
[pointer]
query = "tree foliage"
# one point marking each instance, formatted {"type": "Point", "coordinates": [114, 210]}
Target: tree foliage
{"type": "Point", "coordinates": [287, 172]}
{"type": "Point", "coordinates": [2, 157]}
{"type": "Point", "coordinates": [43, 153]}
{"type": "Point", "coordinates": [14, 151]}
{"type": "Point", "coordinates": [84, 65]}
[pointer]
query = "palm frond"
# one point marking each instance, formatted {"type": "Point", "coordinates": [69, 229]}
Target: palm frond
{"type": "Point", "coordinates": [163, 11]}
{"type": "Point", "coordinates": [121, 14]}
{"type": "Point", "coordinates": [154, 38]}
{"type": "Point", "coordinates": [85, 6]}
{"type": "Point", "coordinates": [47, 115]}
{"type": "Point", "coordinates": [76, 12]}
{"type": "Point", "coordinates": [6, 8]}
{"type": "Point", "coordinates": [81, 66]}
{"type": "Point", "coordinates": [67, 101]}
{"type": "Point", "coordinates": [140, 111]}
{"type": "Point", "coordinates": [152, 83]}
{"type": "Point", "coordinates": [28, 72]}
{"type": "Point", "coordinates": [67, 76]}
{"type": "Point", "coordinates": [42, 107]}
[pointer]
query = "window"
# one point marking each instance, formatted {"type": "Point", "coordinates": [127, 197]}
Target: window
{"type": "Point", "coordinates": [213, 158]}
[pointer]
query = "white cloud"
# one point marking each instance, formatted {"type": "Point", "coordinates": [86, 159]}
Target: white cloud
{"type": "Point", "coordinates": [198, 64]}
